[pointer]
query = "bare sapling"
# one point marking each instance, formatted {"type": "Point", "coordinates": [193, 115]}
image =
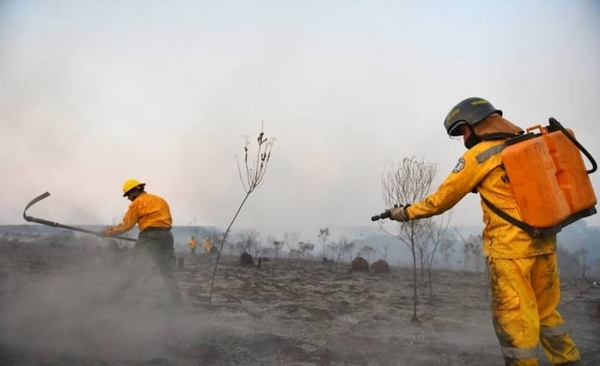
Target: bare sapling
{"type": "Point", "coordinates": [255, 171]}
{"type": "Point", "coordinates": [406, 183]}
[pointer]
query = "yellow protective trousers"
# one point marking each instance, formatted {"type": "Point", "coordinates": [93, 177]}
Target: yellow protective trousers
{"type": "Point", "coordinates": [525, 294]}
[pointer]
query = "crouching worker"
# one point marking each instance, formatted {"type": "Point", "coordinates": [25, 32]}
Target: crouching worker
{"type": "Point", "coordinates": [523, 270]}
{"type": "Point", "coordinates": [155, 241]}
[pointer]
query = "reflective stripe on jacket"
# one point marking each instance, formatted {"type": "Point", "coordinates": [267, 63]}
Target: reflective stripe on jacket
{"type": "Point", "coordinates": [481, 169]}
{"type": "Point", "coordinates": [147, 210]}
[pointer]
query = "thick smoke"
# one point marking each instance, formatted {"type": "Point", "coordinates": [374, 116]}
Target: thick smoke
{"type": "Point", "coordinates": [60, 300]}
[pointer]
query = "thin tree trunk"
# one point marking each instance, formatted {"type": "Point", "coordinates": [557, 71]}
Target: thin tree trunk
{"type": "Point", "coordinates": [212, 282]}
{"type": "Point", "coordinates": [415, 298]}
{"type": "Point", "coordinates": [429, 281]}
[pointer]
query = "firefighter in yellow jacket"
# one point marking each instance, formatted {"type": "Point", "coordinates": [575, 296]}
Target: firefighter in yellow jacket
{"type": "Point", "coordinates": [208, 247]}
{"type": "Point", "coordinates": [523, 270]}
{"type": "Point", "coordinates": [155, 241]}
{"type": "Point", "coordinates": [193, 243]}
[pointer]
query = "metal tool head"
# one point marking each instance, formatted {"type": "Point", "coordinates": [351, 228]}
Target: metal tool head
{"type": "Point", "coordinates": [33, 202]}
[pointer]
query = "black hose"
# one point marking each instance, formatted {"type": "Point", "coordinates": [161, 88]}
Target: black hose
{"type": "Point", "coordinates": [555, 123]}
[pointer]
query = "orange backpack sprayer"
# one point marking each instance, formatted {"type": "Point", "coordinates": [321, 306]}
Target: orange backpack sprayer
{"type": "Point", "coordinates": [549, 179]}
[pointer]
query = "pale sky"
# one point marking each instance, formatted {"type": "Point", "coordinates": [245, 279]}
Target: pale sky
{"type": "Point", "coordinates": [95, 92]}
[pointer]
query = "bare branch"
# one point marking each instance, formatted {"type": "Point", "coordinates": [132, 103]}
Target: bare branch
{"type": "Point", "coordinates": [406, 183]}
{"type": "Point", "coordinates": [254, 178]}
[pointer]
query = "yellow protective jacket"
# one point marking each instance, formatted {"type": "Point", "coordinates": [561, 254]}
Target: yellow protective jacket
{"type": "Point", "coordinates": [207, 245]}
{"type": "Point", "coordinates": [193, 243]}
{"type": "Point", "coordinates": [481, 169]}
{"type": "Point", "coordinates": [147, 210]}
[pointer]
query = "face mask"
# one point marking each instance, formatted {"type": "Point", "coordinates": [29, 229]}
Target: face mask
{"type": "Point", "coordinates": [472, 140]}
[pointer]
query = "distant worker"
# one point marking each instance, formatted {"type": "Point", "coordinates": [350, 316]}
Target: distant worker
{"type": "Point", "coordinates": [193, 243]}
{"type": "Point", "coordinates": [155, 241]}
{"type": "Point", "coordinates": [208, 247]}
{"type": "Point", "coordinates": [523, 269]}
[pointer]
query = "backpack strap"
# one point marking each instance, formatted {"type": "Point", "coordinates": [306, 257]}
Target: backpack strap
{"type": "Point", "coordinates": [531, 230]}
{"type": "Point", "coordinates": [534, 232]}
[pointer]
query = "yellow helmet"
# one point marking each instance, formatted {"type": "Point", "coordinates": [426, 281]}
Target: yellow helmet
{"type": "Point", "coordinates": [131, 184]}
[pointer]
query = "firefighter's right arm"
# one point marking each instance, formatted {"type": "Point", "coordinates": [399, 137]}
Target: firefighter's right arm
{"type": "Point", "coordinates": [129, 221]}
{"type": "Point", "coordinates": [465, 176]}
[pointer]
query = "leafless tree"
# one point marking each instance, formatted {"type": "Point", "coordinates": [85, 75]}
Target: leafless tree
{"type": "Point", "coordinates": [447, 250]}
{"type": "Point", "coordinates": [276, 244]}
{"type": "Point", "coordinates": [256, 249]}
{"type": "Point", "coordinates": [572, 263]}
{"type": "Point", "coordinates": [480, 260]}
{"type": "Point", "coordinates": [568, 262]}
{"type": "Point", "coordinates": [291, 238]}
{"type": "Point", "coordinates": [305, 248]}
{"type": "Point", "coordinates": [423, 243]}
{"type": "Point", "coordinates": [323, 238]}
{"type": "Point", "coordinates": [342, 247]}
{"type": "Point", "coordinates": [408, 182]}
{"type": "Point", "coordinates": [248, 241]}
{"type": "Point", "coordinates": [232, 246]}
{"type": "Point", "coordinates": [367, 251]}
{"type": "Point", "coordinates": [441, 239]}
{"type": "Point", "coordinates": [293, 255]}
{"type": "Point", "coordinates": [472, 252]}
{"type": "Point", "coordinates": [194, 229]}
{"type": "Point", "coordinates": [253, 178]}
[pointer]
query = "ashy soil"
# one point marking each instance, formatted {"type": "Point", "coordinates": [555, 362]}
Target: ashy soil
{"type": "Point", "coordinates": [57, 309]}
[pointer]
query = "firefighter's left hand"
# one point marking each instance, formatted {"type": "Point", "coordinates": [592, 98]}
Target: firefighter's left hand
{"type": "Point", "coordinates": [103, 233]}
{"type": "Point", "coordinates": [399, 213]}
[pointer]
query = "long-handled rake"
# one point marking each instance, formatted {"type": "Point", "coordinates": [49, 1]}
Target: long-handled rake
{"type": "Point", "coordinates": [56, 224]}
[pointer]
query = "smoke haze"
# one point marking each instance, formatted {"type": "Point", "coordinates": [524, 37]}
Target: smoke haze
{"type": "Point", "coordinates": [93, 93]}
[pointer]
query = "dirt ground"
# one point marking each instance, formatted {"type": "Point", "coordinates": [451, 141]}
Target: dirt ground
{"type": "Point", "coordinates": [56, 310]}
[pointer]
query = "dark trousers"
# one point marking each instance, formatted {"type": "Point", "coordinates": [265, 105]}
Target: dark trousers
{"type": "Point", "coordinates": [154, 246]}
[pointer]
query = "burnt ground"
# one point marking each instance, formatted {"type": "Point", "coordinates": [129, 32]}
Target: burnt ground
{"type": "Point", "coordinates": [57, 309]}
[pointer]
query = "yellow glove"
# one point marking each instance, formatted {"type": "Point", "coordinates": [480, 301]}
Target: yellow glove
{"type": "Point", "coordinates": [399, 213]}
